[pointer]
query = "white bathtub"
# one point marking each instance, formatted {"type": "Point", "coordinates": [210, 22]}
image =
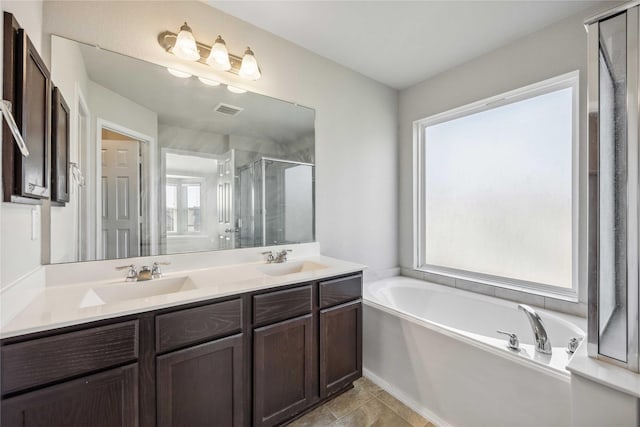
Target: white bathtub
{"type": "Point", "coordinates": [436, 349]}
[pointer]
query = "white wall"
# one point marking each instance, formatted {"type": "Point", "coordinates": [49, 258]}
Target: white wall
{"type": "Point", "coordinates": [356, 150]}
{"type": "Point", "coordinates": [19, 254]}
{"type": "Point", "coordinates": [69, 73]}
{"type": "Point", "coordinates": [555, 50]}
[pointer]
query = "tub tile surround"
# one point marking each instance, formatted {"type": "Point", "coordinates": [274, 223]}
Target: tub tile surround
{"type": "Point", "coordinates": [573, 308]}
{"type": "Point", "coordinates": [365, 405]}
{"type": "Point", "coordinates": [60, 291]}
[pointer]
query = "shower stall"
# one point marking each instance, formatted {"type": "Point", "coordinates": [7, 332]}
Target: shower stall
{"type": "Point", "coordinates": [275, 203]}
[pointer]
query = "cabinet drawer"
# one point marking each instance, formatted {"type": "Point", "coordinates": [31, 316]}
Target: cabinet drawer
{"type": "Point", "coordinates": [44, 360]}
{"type": "Point", "coordinates": [341, 290]}
{"type": "Point", "coordinates": [281, 305]}
{"type": "Point", "coordinates": [193, 325]}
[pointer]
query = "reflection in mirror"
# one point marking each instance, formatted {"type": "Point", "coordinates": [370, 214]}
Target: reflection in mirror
{"type": "Point", "coordinates": [174, 165]}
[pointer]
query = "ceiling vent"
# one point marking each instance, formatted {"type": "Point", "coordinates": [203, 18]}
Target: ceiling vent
{"type": "Point", "coordinates": [230, 110]}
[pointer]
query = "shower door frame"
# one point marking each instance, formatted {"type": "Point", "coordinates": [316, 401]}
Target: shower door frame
{"type": "Point", "coordinates": [592, 25]}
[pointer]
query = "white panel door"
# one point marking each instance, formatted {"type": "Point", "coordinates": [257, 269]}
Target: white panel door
{"type": "Point", "coordinates": [225, 191]}
{"type": "Point", "coordinates": [120, 199]}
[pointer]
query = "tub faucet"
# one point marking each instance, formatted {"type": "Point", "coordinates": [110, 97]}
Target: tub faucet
{"type": "Point", "coordinates": [543, 344]}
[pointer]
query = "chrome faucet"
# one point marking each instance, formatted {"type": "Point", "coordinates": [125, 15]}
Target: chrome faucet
{"type": "Point", "coordinates": [543, 344]}
{"type": "Point", "coordinates": [145, 273]}
{"type": "Point", "coordinates": [276, 257]}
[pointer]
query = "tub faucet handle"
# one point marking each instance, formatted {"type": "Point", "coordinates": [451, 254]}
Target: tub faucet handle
{"type": "Point", "coordinates": [514, 344]}
{"type": "Point", "coordinates": [573, 345]}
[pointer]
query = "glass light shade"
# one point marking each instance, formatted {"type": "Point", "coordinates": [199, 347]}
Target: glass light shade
{"type": "Point", "coordinates": [178, 73]}
{"type": "Point", "coordinates": [185, 47]}
{"type": "Point", "coordinates": [208, 82]}
{"type": "Point", "coordinates": [219, 56]}
{"type": "Point", "coordinates": [249, 68]}
{"type": "Point", "coordinates": [235, 89]}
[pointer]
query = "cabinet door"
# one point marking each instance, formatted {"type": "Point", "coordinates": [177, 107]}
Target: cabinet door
{"type": "Point", "coordinates": [34, 102]}
{"type": "Point", "coordinates": [282, 365]}
{"type": "Point", "coordinates": [60, 135]}
{"type": "Point", "coordinates": [108, 399]}
{"type": "Point", "coordinates": [27, 86]}
{"type": "Point", "coordinates": [201, 385]}
{"type": "Point", "coordinates": [340, 347]}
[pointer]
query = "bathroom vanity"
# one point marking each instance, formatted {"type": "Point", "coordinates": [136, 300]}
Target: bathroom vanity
{"type": "Point", "coordinates": [259, 357]}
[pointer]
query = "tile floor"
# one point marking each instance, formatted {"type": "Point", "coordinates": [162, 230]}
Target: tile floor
{"type": "Point", "coordinates": [366, 405]}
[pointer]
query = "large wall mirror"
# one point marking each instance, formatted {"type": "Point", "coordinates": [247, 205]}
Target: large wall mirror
{"type": "Point", "coordinates": [165, 164]}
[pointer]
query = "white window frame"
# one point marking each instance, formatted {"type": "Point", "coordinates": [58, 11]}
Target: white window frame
{"type": "Point", "coordinates": [568, 80]}
{"type": "Point", "coordinates": [181, 208]}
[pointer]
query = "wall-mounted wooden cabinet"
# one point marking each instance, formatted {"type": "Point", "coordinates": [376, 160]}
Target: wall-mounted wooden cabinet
{"type": "Point", "coordinates": [260, 358]}
{"type": "Point", "coordinates": [27, 85]}
{"type": "Point", "coordinates": [60, 123]}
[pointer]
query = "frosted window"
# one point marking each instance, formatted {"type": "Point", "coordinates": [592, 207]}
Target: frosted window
{"type": "Point", "coordinates": [498, 186]}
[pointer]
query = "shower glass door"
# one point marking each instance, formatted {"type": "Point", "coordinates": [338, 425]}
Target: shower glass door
{"type": "Point", "coordinates": [286, 202]}
{"type": "Point", "coordinates": [613, 186]}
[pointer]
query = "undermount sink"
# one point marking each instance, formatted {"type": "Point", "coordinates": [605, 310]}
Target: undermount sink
{"type": "Point", "coordinates": [290, 267]}
{"type": "Point", "coordinates": [135, 290]}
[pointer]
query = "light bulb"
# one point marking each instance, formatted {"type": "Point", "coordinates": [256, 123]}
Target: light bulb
{"type": "Point", "coordinates": [185, 46]}
{"type": "Point", "coordinates": [209, 82]}
{"type": "Point", "coordinates": [219, 56]}
{"type": "Point", "coordinates": [235, 89]}
{"type": "Point", "coordinates": [249, 68]}
{"type": "Point", "coordinates": [178, 73]}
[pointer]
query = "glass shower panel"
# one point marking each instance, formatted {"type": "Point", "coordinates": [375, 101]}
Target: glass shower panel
{"type": "Point", "coordinates": [288, 202]}
{"type": "Point", "coordinates": [612, 188]}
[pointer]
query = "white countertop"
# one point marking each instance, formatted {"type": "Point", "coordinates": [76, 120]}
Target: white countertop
{"type": "Point", "coordinates": [59, 306]}
{"type": "Point", "coordinates": [604, 373]}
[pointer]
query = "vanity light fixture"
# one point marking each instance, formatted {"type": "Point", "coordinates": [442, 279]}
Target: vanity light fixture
{"type": "Point", "coordinates": [235, 89]}
{"type": "Point", "coordinates": [208, 82]}
{"type": "Point", "coordinates": [178, 73]}
{"type": "Point", "coordinates": [185, 46]}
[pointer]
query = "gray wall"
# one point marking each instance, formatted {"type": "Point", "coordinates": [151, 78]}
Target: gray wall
{"type": "Point", "coordinates": [356, 122]}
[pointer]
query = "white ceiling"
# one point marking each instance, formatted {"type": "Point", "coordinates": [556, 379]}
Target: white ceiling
{"type": "Point", "coordinates": [400, 43]}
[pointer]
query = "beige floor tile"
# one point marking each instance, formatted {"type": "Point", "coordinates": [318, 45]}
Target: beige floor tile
{"type": "Point", "coordinates": [408, 414]}
{"type": "Point", "coordinates": [319, 417]}
{"type": "Point", "coordinates": [372, 414]}
{"type": "Point", "coordinates": [348, 402]}
{"type": "Point", "coordinates": [367, 385]}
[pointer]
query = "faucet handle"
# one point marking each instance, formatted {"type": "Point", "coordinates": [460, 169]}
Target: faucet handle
{"type": "Point", "coordinates": [156, 273]}
{"type": "Point", "coordinates": [281, 256]}
{"type": "Point", "coordinates": [514, 344]}
{"type": "Point", "coordinates": [270, 257]}
{"type": "Point", "coordinates": [573, 345]}
{"type": "Point", "coordinates": [132, 273]}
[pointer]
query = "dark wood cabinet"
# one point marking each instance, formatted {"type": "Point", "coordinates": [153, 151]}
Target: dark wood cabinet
{"type": "Point", "coordinates": [259, 358]}
{"type": "Point", "coordinates": [282, 370]}
{"type": "Point", "coordinates": [27, 85]}
{"type": "Point", "coordinates": [107, 399]}
{"type": "Point", "coordinates": [202, 385]}
{"type": "Point", "coordinates": [60, 136]}
{"type": "Point", "coordinates": [340, 347]}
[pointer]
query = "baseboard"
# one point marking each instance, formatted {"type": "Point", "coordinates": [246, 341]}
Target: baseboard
{"type": "Point", "coordinates": [402, 397]}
